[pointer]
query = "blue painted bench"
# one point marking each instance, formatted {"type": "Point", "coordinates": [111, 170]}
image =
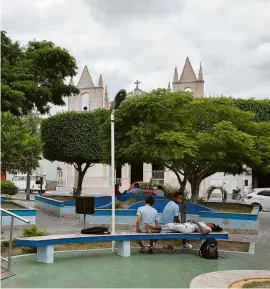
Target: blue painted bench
{"type": "Point", "coordinates": [45, 244]}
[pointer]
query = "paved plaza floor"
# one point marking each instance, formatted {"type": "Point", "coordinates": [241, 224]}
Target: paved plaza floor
{"type": "Point", "coordinates": [101, 268]}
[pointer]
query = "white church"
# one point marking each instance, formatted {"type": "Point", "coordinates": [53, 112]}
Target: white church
{"type": "Point", "coordinates": [97, 178]}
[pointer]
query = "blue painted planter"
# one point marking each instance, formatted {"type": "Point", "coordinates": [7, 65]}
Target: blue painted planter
{"type": "Point", "coordinates": [3, 200]}
{"type": "Point", "coordinates": [192, 209]}
{"type": "Point", "coordinates": [63, 208]}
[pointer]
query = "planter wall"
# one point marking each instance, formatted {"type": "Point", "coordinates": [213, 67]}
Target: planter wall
{"type": "Point", "coordinates": [63, 208]}
{"type": "Point", "coordinates": [231, 222]}
{"type": "Point", "coordinates": [236, 222]}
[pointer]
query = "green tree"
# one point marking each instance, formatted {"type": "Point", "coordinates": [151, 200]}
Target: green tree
{"type": "Point", "coordinates": [73, 138]}
{"type": "Point", "coordinates": [194, 138]}
{"type": "Point", "coordinates": [21, 146]}
{"type": "Point", "coordinates": [33, 76]}
{"type": "Point", "coordinates": [260, 108]}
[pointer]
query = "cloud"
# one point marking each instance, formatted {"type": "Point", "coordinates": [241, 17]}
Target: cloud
{"type": "Point", "coordinates": [147, 39]}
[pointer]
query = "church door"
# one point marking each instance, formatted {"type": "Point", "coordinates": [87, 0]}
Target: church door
{"type": "Point", "coordinates": [136, 173]}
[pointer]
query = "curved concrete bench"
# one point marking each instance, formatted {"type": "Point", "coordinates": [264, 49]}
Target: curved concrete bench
{"type": "Point", "coordinates": [45, 244]}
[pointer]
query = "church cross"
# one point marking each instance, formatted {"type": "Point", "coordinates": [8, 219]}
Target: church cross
{"type": "Point", "coordinates": [137, 83]}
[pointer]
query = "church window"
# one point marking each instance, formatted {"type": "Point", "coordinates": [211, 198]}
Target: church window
{"type": "Point", "coordinates": [85, 102]}
{"type": "Point", "coordinates": [188, 89]}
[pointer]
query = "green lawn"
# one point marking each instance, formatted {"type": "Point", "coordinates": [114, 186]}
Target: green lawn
{"type": "Point", "coordinates": [11, 206]}
{"type": "Point", "coordinates": [229, 207]}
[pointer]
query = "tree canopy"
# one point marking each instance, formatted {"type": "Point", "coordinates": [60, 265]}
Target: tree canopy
{"type": "Point", "coordinates": [33, 76]}
{"type": "Point", "coordinates": [193, 137]}
{"type": "Point", "coordinates": [21, 146]}
{"type": "Point", "coordinates": [73, 138]}
{"type": "Point", "coordinates": [260, 108]}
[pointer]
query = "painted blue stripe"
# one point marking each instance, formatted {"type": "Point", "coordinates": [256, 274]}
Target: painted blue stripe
{"type": "Point", "coordinates": [228, 216]}
{"type": "Point", "coordinates": [108, 238]}
{"type": "Point", "coordinates": [22, 212]}
{"type": "Point", "coordinates": [50, 201]}
{"type": "Point", "coordinates": [69, 203]}
{"type": "Point", "coordinates": [124, 212]}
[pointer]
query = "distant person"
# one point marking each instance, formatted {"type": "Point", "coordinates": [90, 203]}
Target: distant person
{"type": "Point", "coordinates": [137, 191]}
{"type": "Point", "coordinates": [171, 214]}
{"type": "Point", "coordinates": [146, 222]}
{"type": "Point", "coordinates": [117, 192]}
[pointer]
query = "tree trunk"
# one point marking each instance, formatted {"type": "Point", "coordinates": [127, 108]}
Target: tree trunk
{"type": "Point", "coordinates": [79, 185]}
{"type": "Point", "coordinates": [195, 189]}
{"type": "Point", "coordinates": [28, 178]}
{"type": "Point", "coordinates": [184, 205]}
{"type": "Point", "coordinates": [81, 174]}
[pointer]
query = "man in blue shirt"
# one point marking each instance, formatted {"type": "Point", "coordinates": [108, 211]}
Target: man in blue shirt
{"type": "Point", "coordinates": [171, 214]}
{"type": "Point", "coordinates": [146, 219]}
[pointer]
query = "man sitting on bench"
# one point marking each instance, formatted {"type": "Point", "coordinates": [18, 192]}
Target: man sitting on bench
{"type": "Point", "coordinates": [147, 222]}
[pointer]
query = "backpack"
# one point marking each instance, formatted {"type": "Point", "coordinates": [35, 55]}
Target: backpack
{"type": "Point", "coordinates": [96, 231]}
{"type": "Point", "coordinates": [209, 249]}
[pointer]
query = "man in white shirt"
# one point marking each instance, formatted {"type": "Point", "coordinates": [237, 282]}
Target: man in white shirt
{"type": "Point", "coordinates": [191, 227]}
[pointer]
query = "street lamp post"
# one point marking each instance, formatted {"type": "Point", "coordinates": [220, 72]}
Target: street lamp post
{"type": "Point", "coordinates": [120, 96]}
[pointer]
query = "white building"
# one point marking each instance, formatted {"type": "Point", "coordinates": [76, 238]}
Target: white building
{"type": "Point", "coordinates": [92, 97]}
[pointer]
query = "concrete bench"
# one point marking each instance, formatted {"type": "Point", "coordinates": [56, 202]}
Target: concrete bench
{"type": "Point", "coordinates": [45, 244]}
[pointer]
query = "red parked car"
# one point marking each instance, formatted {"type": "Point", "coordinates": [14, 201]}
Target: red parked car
{"type": "Point", "coordinates": [143, 186]}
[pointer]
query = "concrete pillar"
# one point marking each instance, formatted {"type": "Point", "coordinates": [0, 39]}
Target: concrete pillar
{"type": "Point", "coordinates": [123, 249]}
{"type": "Point", "coordinates": [45, 254]}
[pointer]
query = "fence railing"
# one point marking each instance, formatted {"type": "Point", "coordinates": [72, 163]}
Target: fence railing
{"type": "Point", "coordinates": [13, 216]}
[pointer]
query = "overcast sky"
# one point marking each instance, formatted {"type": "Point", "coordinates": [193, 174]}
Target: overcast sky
{"type": "Point", "coordinates": [145, 39]}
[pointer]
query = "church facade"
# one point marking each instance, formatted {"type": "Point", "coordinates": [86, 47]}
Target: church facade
{"type": "Point", "coordinates": [93, 96]}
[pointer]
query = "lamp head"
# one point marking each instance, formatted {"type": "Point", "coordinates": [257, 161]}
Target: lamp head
{"type": "Point", "coordinates": [120, 96]}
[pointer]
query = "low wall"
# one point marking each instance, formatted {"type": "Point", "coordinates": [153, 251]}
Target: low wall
{"type": "Point", "coordinates": [56, 208]}
{"type": "Point", "coordinates": [159, 205]}
{"type": "Point", "coordinates": [63, 208]}
{"type": "Point", "coordinates": [28, 214]}
{"type": "Point", "coordinates": [236, 222]}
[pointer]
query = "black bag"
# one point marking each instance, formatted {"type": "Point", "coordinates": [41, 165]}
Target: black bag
{"type": "Point", "coordinates": [96, 231]}
{"type": "Point", "coordinates": [209, 249]}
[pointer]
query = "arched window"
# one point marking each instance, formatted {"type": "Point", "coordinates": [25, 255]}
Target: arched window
{"type": "Point", "coordinates": [85, 102]}
{"type": "Point", "coordinates": [188, 89]}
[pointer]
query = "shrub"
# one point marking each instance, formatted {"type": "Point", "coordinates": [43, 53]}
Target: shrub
{"type": "Point", "coordinates": [32, 232]}
{"type": "Point", "coordinates": [5, 244]}
{"type": "Point", "coordinates": [8, 189]}
{"type": "Point", "coordinates": [170, 190]}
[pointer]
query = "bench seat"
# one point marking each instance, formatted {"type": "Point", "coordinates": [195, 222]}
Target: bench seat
{"type": "Point", "coordinates": [45, 244]}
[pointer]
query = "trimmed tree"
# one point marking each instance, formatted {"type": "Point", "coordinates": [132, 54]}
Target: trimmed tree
{"type": "Point", "coordinates": [72, 138]}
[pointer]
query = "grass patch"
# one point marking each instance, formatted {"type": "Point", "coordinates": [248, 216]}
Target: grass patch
{"type": "Point", "coordinates": [11, 206]}
{"type": "Point", "coordinates": [229, 207]}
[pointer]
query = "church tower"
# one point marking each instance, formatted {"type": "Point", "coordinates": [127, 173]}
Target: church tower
{"type": "Point", "coordinates": [188, 80]}
{"type": "Point", "coordinates": [90, 97]}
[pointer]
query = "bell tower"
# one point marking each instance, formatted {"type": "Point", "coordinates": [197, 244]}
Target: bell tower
{"type": "Point", "coordinates": [188, 80]}
{"type": "Point", "coordinates": [90, 97]}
